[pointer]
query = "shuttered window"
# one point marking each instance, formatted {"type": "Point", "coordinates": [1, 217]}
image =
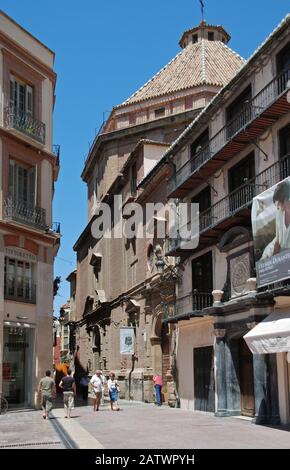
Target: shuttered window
{"type": "Point", "coordinates": [21, 96]}
{"type": "Point", "coordinates": [18, 279]}
{"type": "Point", "coordinates": [22, 183]}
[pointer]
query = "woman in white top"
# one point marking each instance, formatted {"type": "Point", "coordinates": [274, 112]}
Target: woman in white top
{"type": "Point", "coordinates": [113, 388]}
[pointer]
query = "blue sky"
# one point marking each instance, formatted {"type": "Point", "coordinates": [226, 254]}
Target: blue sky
{"type": "Point", "coordinates": [104, 52]}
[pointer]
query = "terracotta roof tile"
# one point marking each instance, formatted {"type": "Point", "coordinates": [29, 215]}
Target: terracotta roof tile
{"type": "Point", "coordinates": [203, 63]}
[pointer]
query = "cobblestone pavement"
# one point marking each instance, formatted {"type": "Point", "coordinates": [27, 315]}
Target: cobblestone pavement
{"type": "Point", "coordinates": [146, 426]}
{"type": "Point", "coordinates": [28, 430]}
{"type": "Point", "coordinates": [137, 426]}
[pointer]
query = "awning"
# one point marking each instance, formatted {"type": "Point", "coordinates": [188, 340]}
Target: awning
{"type": "Point", "coordinates": [272, 335]}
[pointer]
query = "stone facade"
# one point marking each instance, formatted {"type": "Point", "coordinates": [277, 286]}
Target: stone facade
{"type": "Point", "coordinates": [117, 283]}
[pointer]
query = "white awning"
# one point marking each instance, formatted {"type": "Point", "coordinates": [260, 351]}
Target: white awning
{"type": "Point", "coordinates": [272, 335]}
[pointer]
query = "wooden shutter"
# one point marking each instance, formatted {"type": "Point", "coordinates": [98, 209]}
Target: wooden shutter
{"type": "Point", "coordinates": [31, 186]}
{"type": "Point", "coordinates": [29, 100]}
{"type": "Point", "coordinates": [13, 92]}
{"type": "Point", "coordinates": [12, 179]}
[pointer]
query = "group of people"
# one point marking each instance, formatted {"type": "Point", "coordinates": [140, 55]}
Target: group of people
{"type": "Point", "coordinates": [99, 385]}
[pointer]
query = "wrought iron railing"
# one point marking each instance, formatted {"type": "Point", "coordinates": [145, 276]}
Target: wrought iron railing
{"type": "Point", "coordinates": [24, 213]}
{"type": "Point", "coordinates": [55, 227]}
{"type": "Point", "coordinates": [25, 123]}
{"type": "Point", "coordinates": [201, 300]}
{"type": "Point", "coordinates": [56, 152]}
{"type": "Point", "coordinates": [25, 294]}
{"type": "Point", "coordinates": [238, 199]}
{"type": "Point", "coordinates": [251, 110]}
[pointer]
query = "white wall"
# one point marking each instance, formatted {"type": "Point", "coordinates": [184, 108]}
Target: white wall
{"type": "Point", "coordinates": [194, 333]}
{"type": "Point", "coordinates": [152, 155]}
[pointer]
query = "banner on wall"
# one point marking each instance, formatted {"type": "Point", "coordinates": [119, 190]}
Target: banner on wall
{"type": "Point", "coordinates": [271, 233]}
{"type": "Point", "coordinates": [127, 340]}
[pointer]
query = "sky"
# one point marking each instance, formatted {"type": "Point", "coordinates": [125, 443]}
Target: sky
{"type": "Point", "coordinates": [106, 50]}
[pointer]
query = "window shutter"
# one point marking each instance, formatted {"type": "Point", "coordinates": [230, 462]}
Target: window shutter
{"type": "Point", "coordinates": [13, 92]}
{"type": "Point", "coordinates": [11, 179]}
{"type": "Point", "coordinates": [29, 100]}
{"type": "Point", "coordinates": [31, 186]}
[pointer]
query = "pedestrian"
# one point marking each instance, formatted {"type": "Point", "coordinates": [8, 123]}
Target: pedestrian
{"type": "Point", "coordinates": [114, 389]}
{"type": "Point", "coordinates": [158, 383]}
{"type": "Point", "coordinates": [96, 383]}
{"type": "Point", "coordinates": [104, 387]}
{"type": "Point", "coordinates": [68, 386]}
{"type": "Point", "coordinates": [84, 382]}
{"type": "Point", "coordinates": [47, 390]}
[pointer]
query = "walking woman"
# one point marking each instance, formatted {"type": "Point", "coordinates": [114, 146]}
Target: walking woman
{"type": "Point", "coordinates": [114, 389]}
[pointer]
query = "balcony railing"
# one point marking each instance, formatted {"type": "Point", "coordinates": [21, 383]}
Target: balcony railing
{"type": "Point", "coordinates": [25, 123]}
{"type": "Point", "coordinates": [251, 110]}
{"type": "Point", "coordinates": [27, 295]}
{"type": "Point", "coordinates": [201, 300]}
{"type": "Point", "coordinates": [56, 152]}
{"type": "Point", "coordinates": [24, 213]}
{"type": "Point", "coordinates": [238, 199]}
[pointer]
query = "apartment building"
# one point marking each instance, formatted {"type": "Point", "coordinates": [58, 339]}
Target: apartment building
{"type": "Point", "coordinates": [117, 285]}
{"type": "Point", "coordinates": [29, 241]}
{"type": "Point", "coordinates": [236, 148]}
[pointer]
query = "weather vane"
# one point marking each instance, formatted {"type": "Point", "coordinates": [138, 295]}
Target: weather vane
{"type": "Point", "coordinates": [202, 8]}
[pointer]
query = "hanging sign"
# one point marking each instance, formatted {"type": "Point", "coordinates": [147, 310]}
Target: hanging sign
{"type": "Point", "coordinates": [127, 340]}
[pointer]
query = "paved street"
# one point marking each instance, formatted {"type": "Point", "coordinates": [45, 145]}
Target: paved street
{"type": "Point", "coordinates": [137, 426]}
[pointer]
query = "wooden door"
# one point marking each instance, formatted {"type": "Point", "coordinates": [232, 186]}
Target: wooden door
{"type": "Point", "coordinates": [203, 364]}
{"type": "Point", "coordinates": [246, 379]}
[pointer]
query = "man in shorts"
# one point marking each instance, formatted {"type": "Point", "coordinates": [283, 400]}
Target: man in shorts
{"type": "Point", "coordinates": [96, 383]}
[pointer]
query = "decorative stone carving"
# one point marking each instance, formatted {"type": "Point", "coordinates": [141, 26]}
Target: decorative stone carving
{"type": "Point", "coordinates": [240, 272]}
{"type": "Point", "coordinates": [252, 284]}
{"type": "Point", "coordinates": [217, 296]}
{"type": "Point", "coordinates": [234, 237]}
{"type": "Point", "coordinates": [219, 333]}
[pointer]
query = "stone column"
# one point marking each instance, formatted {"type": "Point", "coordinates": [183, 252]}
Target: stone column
{"type": "Point", "coordinates": [274, 417]}
{"type": "Point", "coordinates": [220, 373]}
{"type": "Point", "coordinates": [260, 388]}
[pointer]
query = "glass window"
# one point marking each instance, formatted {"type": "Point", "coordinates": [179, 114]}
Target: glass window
{"type": "Point", "coordinates": [21, 96]}
{"type": "Point", "coordinates": [18, 280]}
{"type": "Point", "coordinates": [22, 182]}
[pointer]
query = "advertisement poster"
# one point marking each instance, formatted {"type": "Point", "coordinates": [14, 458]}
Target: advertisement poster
{"type": "Point", "coordinates": [271, 233]}
{"type": "Point", "coordinates": [127, 340]}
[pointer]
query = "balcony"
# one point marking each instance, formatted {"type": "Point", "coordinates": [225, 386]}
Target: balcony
{"type": "Point", "coordinates": [233, 209]}
{"type": "Point", "coordinates": [23, 122]}
{"type": "Point", "coordinates": [200, 301]}
{"type": "Point", "coordinates": [27, 295]}
{"type": "Point", "coordinates": [56, 153]}
{"type": "Point", "coordinates": [24, 213]}
{"type": "Point", "coordinates": [257, 115]}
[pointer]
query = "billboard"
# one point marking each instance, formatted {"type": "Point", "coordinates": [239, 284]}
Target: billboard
{"type": "Point", "coordinates": [127, 340]}
{"type": "Point", "coordinates": [271, 233]}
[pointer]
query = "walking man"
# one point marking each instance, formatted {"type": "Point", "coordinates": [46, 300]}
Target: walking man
{"type": "Point", "coordinates": [68, 385]}
{"type": "Point", "coordinates": [47, 391]}
{"type": "Point", "coordinates": [97, 384]}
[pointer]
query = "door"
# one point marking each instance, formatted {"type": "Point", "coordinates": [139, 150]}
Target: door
{"type": "Point", "coordinates": [17, 366]}
{"type": "Point", "coordinates": [203, 199]}
{"type": "Point", "coordinates": [202, 282]}
{"type": "Point", "coordinates": [241, 183]}
{"type": "Point", "coordinates": [246, 379]}
{"type": "Point", "coordinates": [203, 364]}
